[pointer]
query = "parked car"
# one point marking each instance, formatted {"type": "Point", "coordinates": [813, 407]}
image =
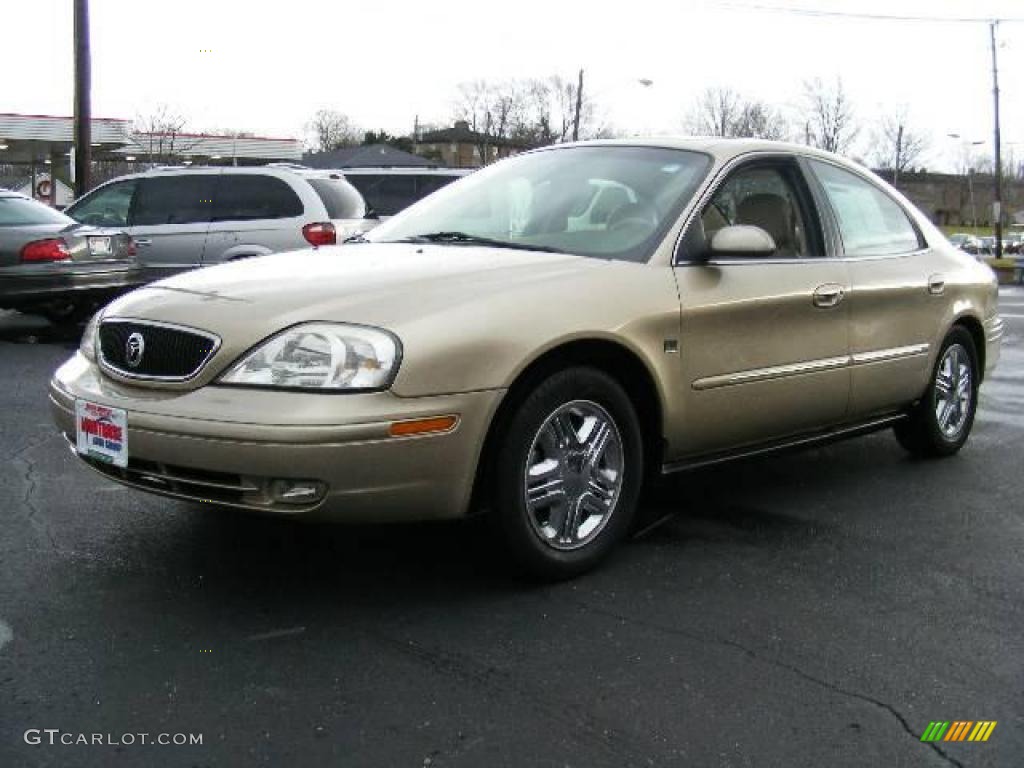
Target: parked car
{"type": "Point", "coordinates": [54, 266]}
{"type": "Point", "coordinates": [183, 218]}
{"type": "Point", "coordinates": [967, 243]}
{"type": "Point", "coordinates": [476, 354]}
{"type": "Point", "coordinates": [390, 190]}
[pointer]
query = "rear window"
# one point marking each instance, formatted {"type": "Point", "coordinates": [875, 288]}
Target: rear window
{"type": "Point", "coordinates": [340, 198]}
{"type": "Point", "coordinates": [242, 197]}
{"type": "Point", "coordinates": [185, 199]}
{"type": "Point", "coordinates": [18, 211]}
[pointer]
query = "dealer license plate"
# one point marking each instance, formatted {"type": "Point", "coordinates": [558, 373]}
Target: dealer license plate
{"type": "Point", "coordinates": [102, 432]}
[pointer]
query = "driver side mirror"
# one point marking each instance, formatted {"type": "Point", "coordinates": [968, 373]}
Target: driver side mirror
{"type": "Point", "coordinates": [741, 240]}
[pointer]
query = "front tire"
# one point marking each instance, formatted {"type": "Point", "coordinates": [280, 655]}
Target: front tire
{"type": "Point", "coordinates": [568, 474]}
{"type": "Point", "coordinates": [941, 422]}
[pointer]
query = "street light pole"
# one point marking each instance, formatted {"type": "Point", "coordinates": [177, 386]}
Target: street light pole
{"type": "Point", "coordinates": [997, 206]}
{"type": "Point", "coordinates": [83, 105]}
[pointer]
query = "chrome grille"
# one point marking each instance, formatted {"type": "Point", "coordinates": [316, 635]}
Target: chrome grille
{"type": "Point", "coordinates": [150, 350]}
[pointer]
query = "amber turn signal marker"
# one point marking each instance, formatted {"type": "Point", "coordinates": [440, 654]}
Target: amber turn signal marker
{"type": "Point", "coordinates": [423, 426]}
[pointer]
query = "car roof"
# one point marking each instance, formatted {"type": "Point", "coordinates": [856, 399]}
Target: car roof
{"type": "Point", "coordinates": [722, 149]}
{"type": "Point", "coordinates": [283, 170]}
{"type": "Point", "coordinates": [404, 170]}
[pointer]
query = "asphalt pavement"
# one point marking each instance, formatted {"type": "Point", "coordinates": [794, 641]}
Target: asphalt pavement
{"type": "Point", "coordinates": [811, 609]}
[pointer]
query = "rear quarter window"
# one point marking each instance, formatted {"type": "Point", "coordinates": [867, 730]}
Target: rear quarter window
{"type": "Point", "coordinates": [340, 198]}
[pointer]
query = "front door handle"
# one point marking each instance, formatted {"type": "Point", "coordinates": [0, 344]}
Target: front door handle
{"type": "Point", "coordinates": [936, 285]}
{"type": "Point", "coordinates": [828, 295]}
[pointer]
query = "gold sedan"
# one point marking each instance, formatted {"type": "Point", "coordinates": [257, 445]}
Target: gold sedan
{"type": "Point", "coordinates": [538, 339]}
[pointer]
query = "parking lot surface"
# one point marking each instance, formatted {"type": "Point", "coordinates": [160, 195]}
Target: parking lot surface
{"type": "Point", "coordinates": [816, 608]}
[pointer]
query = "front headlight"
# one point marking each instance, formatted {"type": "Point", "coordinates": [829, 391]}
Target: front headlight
{"type": "Point", "coordinates": [332, 356]}
{"type": "Point", "coordinates": [88, 344]}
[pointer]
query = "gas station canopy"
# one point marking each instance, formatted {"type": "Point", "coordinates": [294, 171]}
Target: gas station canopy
{"type": "Point", "coordinates": [31, 139]}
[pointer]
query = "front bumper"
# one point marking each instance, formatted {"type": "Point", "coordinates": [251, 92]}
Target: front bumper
{"type": "Point", "coordinates": [32, 284]}
{"type": "Point", "coordinates": [231, 445]}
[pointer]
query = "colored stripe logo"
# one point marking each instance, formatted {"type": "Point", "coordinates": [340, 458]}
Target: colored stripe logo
{"type": "Point", "coordinates": [959, 730]}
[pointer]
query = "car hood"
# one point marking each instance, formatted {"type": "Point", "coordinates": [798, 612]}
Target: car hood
{"type": "Point", "coordinates": [380, 284]}
{"type": "Point", "coordinates": [467, 316]}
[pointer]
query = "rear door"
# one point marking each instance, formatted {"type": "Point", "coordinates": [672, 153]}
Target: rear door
{"type": "Point", "coordinates": [253, 214]}
{"type": "Point", "coordinates": [169, 219]}
{"type": "Point", "coordinates": [896, 298]}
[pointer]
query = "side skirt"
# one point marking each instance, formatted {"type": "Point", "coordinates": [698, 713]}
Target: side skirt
{"type": "Point", "coordinates": [791, 443]}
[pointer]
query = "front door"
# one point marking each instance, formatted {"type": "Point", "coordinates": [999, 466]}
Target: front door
{"type": "Point", "coordinates": [764, 346]}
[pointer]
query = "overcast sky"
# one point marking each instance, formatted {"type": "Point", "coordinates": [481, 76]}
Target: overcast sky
{"type": "Point", "coordinates": [267, 66]}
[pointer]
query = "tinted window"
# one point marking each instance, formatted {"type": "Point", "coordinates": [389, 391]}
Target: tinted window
{"type": "Point", "coordinates": [185, 199]}
{"type": "Point", "coordinates": [529, 201]}
{"type": "Point", "coordinates": [340, 198]}
{"type": "Point", "coordinates": [765, 197]}
{"type": "Point", "coordinates": [426, 185]}
{"type": "Point", "coordinates": [18, 211]}
{"type": "Point", "coordinates": [242, 197]}
{"type": "Point", "coordinates": [108, 206]}
{"type": "Point", "coordinates": [871, 223]}
{"type": "Point", "coordinates": [389, 193]}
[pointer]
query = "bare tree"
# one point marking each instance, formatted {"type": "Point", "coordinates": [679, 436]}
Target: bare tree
{"type": "Point", "coordinates": [162, 136]}
{"type": "Point", "coordinates": [829, 118]}
{"type": "Point", "coordinates": [724, 112]}
{"type": "Point", "coordinates": [897, 146]}
{"type": "Point", "coordinates": [715, 113]}
{"type": "Point", "coordinates": [760, 120]}
{"type": "Point", "coordinates": [330, 129]}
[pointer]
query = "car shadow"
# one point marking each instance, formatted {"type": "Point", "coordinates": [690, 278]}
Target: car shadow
{"type": "Point", "coordinates": [19, 328]}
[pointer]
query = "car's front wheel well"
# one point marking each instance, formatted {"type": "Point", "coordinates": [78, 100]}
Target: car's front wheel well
{"type": "Point", "coordinates": [607, 356]}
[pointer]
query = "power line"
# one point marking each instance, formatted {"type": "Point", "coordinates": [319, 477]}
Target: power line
{"type": "Point", "coordinates": [867, 16]}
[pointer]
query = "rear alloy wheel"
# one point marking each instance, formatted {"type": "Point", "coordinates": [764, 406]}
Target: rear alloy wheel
{"type": "Point", "coordinates": [941, 422]}
{"type": "Point", "coordinates": [568, 473]}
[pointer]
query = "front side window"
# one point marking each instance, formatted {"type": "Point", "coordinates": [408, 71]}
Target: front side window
{"type": "Point", "coordinates": [765, 197]}
{"type": "Point", "coordinates": [108, 206]}
{"type": "Point", "coordinates": [245, 197]}
{"type": "Point", "coordinates": [546, 200]}
{"type": "Point", "coordinates": [870, 222]}
{"type": "Point", "coordinates": [185, 199]}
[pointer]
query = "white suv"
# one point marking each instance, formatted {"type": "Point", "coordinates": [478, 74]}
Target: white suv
{"type": "Point", "coordinates": [183, 218]}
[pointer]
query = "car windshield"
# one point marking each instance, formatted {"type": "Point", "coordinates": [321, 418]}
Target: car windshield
{"type": "Point", "coordinates": [22, 212]}
{"type": "Point", "coordinates": [612, 202]}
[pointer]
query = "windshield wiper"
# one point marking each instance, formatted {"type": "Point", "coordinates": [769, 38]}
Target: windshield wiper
{"type": "Point", "coordinates": [465, 238]}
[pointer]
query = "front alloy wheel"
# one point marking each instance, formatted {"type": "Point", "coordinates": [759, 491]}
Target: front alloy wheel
{"type": "Point", "coordinates": [573, 475]}
{"type": "Point", "coordinates": [567, 473]}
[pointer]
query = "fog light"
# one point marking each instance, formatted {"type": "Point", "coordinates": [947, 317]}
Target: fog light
{"type": "Point", "coordinates": [296, 491]}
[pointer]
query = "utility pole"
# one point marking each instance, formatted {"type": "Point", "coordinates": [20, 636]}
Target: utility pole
{"type": "Point", "coordinates": [579, 106]}
{"type": "Point", "coordinates": [997, 206]}
{"type": "Point", "coordinates": [83, 105]}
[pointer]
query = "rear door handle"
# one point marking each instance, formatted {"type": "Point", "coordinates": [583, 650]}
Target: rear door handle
{"type": "Point", "coordinates": [828, 295]}
{"type": "Point", "coordinates": [936, 285]}
{"type": "Point", "coordinates": [143, 241]}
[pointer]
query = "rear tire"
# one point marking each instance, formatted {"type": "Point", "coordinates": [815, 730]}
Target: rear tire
{"type": "Point", "coordinates": [567, 474]}
{"type": "Point", "coordinates": [941, 422]}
